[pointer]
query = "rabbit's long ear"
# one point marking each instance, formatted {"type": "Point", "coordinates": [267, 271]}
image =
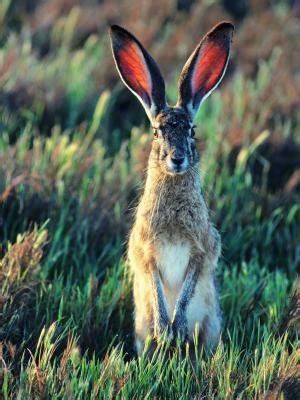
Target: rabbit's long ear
{"type": "Point", "coordinates": [205, 68]}
{"type": "Point", "coordinates": [138, 70]}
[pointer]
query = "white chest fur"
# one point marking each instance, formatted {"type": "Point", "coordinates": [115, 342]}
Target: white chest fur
{"type": "Point", "coordinates": [172, 261]}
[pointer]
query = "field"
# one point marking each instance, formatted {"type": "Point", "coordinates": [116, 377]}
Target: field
{"type": "Point", "coordinates": [73, 153]}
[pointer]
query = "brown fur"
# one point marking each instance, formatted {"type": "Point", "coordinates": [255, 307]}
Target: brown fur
{"type": "Point", "coordinates": [173, 247]}
{"type": "Point", "coordinates": [171, 207]}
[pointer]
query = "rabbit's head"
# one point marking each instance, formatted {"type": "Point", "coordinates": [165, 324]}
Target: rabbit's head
{"type": "Point", "coordinates": [173, 148]}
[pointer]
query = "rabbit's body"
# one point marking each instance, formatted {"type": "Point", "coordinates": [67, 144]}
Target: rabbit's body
{"type": "Point", "coordinates": [173, 248]}
{"type": "Point", "coordinates": [171, 228]}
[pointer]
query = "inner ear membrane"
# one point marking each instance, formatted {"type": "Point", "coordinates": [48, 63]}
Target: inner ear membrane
{"type": "Point", "coordinates": [138, 70]}
{"type": "Point", "coordinates": [209, 68]}
{"type": "Point", "coordinates": [205, 68]}
{"type": "Point", "coordinates": [134, 70]}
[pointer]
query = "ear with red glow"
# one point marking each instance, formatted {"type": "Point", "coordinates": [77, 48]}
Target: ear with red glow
{"type": "Point", "coordinates": [138, 70]}
{"type": "Point", "coordinates": [205, 68]}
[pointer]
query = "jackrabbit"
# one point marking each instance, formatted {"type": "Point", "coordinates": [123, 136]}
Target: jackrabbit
{"type": "Point", "coordinates": [173, 247]}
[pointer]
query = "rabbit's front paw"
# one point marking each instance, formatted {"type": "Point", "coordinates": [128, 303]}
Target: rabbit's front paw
{"type": "Point", "coordinates": [164, 332]}
{"type": "Point", "coordinates": [180, 328]}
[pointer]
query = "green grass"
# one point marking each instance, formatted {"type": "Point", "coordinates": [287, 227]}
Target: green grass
{"type": "Point", "coordinates": [71, 169]}
{"type": "Point", "coordinates": [67, 315]}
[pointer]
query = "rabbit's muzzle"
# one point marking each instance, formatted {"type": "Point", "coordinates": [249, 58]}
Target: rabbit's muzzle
{"type": "Point", "coordinates": [177, 162]}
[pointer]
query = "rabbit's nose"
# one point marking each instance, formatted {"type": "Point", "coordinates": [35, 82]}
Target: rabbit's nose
{"type": "Point", "coordinates": [177, 160]}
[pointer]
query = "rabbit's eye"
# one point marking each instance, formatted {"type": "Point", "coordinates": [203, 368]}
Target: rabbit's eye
{"type": "Point", "coordinates": [155, 133]}
{"type": "Point", "coordinates": [193, 131]}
